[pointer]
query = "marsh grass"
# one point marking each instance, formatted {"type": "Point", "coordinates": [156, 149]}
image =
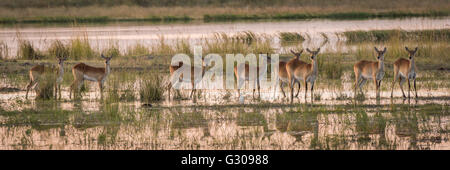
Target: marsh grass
{"type": "Point", "coordinates": [291, 38]}
{"type": "Point", "coordinates": [151, 88]}
{"type": "Point", "coordinates": [296, 121]}
{"type": "Point", "coordinates": [46, 87]}
{"type": "Point", "coordinates": [27, 51]}
{"type": "Point", "coordinates": [162, 48]}
{"type": "Point", "coordinates": [242, 43]}
{"type": "Point", "coordinates": [332, 15]}
{"type": "Point", "coordinates": [400, 35]}
{"type": "Point", "coordinates": [137, 50]}
{"type": "Point", "coordinates": [90, 19]}
{"type": "Point", "coordinates": [366, 124]}
{"type": "Point", "coordinates": [58, 49]}
{"type": "Point", "coordinates": [112, 50]}
{"type": "Point", "coordinates": [329, 69]}
{"type": "Point", "coordinates": [80, 48]}
{"type": "Point", "coordinates": [251, 119]}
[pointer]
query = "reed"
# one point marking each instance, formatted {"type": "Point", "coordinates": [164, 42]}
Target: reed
{"type": "Point", "coordinates": [27, 51]}
{"type": "Point", "coordinates": [57, 48]}
{"type": "Point", "coordinates": [80, 48]}
{"type": "Point", "coordinates": [288, 38]}
{"type": "Point", "coordinates": [401, 35]}
{"type": "Point", "coordinates": [151, 88]}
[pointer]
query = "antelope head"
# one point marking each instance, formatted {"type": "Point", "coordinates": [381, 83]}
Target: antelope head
{"type": "Point", "coordinates": [107, 59]}
{"type": "Point", "coordinates": [297, 54]}
{"type": "Point", "coordinates": [313, 53]}
{"type": "Point", "coordinates": [380, 53]}
{"type": "Point", "coordinates": [61, 59]}
{"type": "Point", "coordinates": [412, 53]}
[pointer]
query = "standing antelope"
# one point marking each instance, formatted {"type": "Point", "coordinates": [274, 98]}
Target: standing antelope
{"type": "Point", "coordinates": [299, 70]}
{"type": "Point", "coordinates": [370, 70]}
{"type": "Point", "coordinates": [283, 74]}
{"type": "Point", "coordinates": [38, 71]}
{"type": "Point", "coordinates": [405, 69]}
{"type": "Point", "coordinates": [194, 80]}
{"type": "Point", "coordinates": [83, 72]}
{"type": "Point", "coordinates": [241, 77]}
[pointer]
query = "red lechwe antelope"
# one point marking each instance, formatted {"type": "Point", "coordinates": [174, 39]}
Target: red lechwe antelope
{"type": "Point", "coordinates": [299, 70]}
{"type": "Point", "coordinates": [405, 69]}
{"type": "Point", "coordinates": [370, 70]}
{"type": "Point", "coordinates": [283, 76]}
{"type": "Point", "coordinates": [241, 77]}
{"type": "Point", "coordinates": [83, 72]}
{"type": "Point", "coordinates": [38, 71]}
{"type": "Point", "coordinates": [194, 80]}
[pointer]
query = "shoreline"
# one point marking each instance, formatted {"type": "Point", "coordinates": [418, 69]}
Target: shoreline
{"type": "Point", "coordinates": [221, 17]}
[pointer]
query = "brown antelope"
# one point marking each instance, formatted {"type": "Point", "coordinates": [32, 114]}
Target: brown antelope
{"type": "Point", "coordinates": [83, 72]}
{"type": "Point", "coordinates": [194, 80]}
{"type": "Point", "coordinates": [299, 70]}
{"type": "Point", "coordinates": [283, 74]}
{"type": "Point", "coordinates": [241, 77]}
{"type": "Point", "coordinates": [405, 69]}
{"type": "Point", "coordinates": [370, 70]}
{"type": "Point", "coordinates": [38, 71]}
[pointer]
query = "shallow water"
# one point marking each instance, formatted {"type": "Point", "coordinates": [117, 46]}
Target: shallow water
{"type": "Point", "coordinates": [216, 119]}
{"type": "Point", "coordinates": [126, 35]}
{"type": "Point", "coordinates": [334, 121]}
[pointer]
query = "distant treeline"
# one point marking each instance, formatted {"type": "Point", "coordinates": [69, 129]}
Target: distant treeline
{"type": "Point", "coordinates": [378, 4]}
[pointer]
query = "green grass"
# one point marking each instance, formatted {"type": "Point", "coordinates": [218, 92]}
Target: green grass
{"type": "Point", "coordinates": [137, 50]}
{"type": "Point", "coordinates": [27, 51]}
{"type": "Point", "coordinates": [82, 11]}
{"type": "Point", "coordinates": [91, 19]}
{"type": "Point", "coordinates": [58, 49]}
{"type": "Point", "coordinates": [151, 88]}
{"type": "Point", "coordinates": [288, 38]}
{"type": "Point", "coordinates": [80, 48]}
{"type": "Point", "coordinates": [400, 35]}
{"type": "Point", "coordinates": [337, 15]}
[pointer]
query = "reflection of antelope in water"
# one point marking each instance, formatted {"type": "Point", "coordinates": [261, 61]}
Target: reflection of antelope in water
{"type": "Point", "coordinates": [370, 70]}
{"type": "Point", "coordinates": [283, 74]}
{"type": "Point", "coordinates": [299, 70]}
{"type": "Point", "coordinates": [297, 124]}
{"type": "Point", "coordinates": [38, 71]}
{"type": "Point", "coordinates": [405, 69]}
{"type": "Point", "coordinates": [83, 72]}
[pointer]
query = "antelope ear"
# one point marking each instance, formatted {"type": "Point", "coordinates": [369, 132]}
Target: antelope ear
{"type": "Point", "coordinates": [384, 50]}
{"type": "Point", "coordinates": [318, 50]}
{"type": "Point", "coordinates": [301, 51]}
{"type": "Point", "coordinates": [416, 49]}
{"type": "Point", "coordinates": [102, 56]}
{"type": "Point", "coordinates": [293, 52]}
{"type": "Point", "coordinates": [376, 49]}
{"type": "Point", "coordinates": [307, 49]}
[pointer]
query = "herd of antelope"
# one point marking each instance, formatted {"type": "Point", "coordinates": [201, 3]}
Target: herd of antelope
{"type": "Point", "coordinates": [293, 71]}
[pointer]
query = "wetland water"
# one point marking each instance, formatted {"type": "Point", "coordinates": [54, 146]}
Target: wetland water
{"type": "Point", "coordinates": [128, 34]}
{"type": "Point", "coordinates": [333, 119]}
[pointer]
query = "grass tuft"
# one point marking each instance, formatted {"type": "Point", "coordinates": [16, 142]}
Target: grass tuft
{"type": "Point", "coordinates": [58, 49]}
{"type": "Point", "coordinates": [151, 89]}
{"type": "Point", "coordinates": [27, 51]}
